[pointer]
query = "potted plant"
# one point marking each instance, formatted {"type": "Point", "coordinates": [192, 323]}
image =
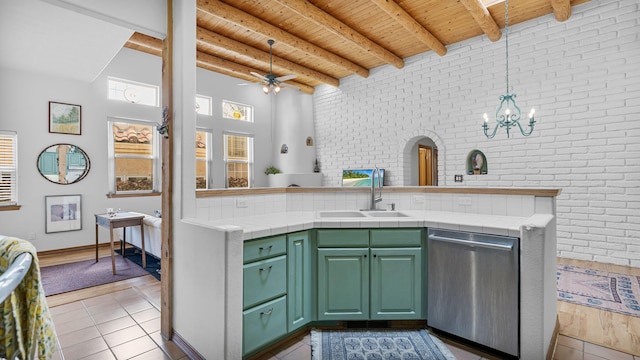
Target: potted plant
{"type": "Point", "coordinates": [272, 170]}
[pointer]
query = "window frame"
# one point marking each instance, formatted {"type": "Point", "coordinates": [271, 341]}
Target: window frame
{"type": "Point", "coordinates": [155, 157]}
{"type": "Point", "coordinates": [249, 161]}
{"type": "Point", "coordinates": [209, 156]}
{"type": "Point", "coordinates": [135, 83]}
{"type": "Point", "coordinates": [11, 170]}
{"type": "Point", "coordinates": [207, 99]}
{"type": "Point", "coordinates": [249, 115]}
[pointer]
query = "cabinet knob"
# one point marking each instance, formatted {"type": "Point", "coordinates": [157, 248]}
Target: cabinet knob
{"type": "Point", "coordinates": [268, 312]}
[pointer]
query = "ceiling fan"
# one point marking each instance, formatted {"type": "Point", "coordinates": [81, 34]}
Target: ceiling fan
{"type": "Point", "coordinates": [270, 81]}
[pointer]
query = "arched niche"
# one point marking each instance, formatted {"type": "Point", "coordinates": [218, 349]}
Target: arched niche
{"type": "Point", "coordinates": [411, 144]}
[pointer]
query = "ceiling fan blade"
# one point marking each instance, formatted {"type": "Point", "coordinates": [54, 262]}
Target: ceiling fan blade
{"type": "Point", "coordinates": [286, 77]}
{"type": "Point", "coordinates": [261, 77]}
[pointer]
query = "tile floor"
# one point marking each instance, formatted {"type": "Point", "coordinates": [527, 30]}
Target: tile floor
{"type": "Point", "coordinates": [119, 325]}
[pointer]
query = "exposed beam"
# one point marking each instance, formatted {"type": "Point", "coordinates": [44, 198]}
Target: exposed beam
{"type": "Point", "coordinates": [216, 64]}
{"type": "Point", "coordinates": [145, 43]}
{"type": "Point", "coordinates": [321, 18]}
{"type": "Point", "coordinates": [561, 9]}
{"type": "Point", "coordinates": [482, 16]}
{"type": "Point", "coordinates": [213, 43]}
{"type": "Point", "coordinates": [408, 22]}
{"type": "Point", "coordinates": [249, 22]}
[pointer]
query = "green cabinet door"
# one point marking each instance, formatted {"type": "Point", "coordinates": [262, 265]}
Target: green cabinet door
{"type": "Point", "coordinates": [396, 283]}
{"type": "Point", "coordinates": [343, 284]}
{"type": "Point", "coordinates": [299, 280]}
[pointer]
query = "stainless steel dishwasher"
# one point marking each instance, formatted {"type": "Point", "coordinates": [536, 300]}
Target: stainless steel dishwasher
{"type": "Point", "coordinates": [474, 286]}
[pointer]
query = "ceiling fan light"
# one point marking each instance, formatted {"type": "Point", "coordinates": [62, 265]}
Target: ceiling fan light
{"type": "Point", "coordinates": [265, 88]}
{"type": "Point", "coordinates": [277, 88]}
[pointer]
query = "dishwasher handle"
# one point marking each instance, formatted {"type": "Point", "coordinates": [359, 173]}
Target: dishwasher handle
{"type": "Point", "coordinates": [472, 243]}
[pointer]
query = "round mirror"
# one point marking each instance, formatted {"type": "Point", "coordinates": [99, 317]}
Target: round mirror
{"type": "Point", "coordinates": [63, 164]}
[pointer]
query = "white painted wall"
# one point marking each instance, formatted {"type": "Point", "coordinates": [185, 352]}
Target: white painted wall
{"type": "Point", "coordinates": [583, 78]}
{"type": "Point", "coordinates": [25, 100]}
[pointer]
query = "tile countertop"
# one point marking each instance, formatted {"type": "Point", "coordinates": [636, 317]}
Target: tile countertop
{"type": "Point", "coordinates": [287, 222]}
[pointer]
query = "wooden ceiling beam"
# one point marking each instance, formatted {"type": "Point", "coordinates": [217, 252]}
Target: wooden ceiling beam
{"type": "Point", "coordinates": [561, 9]}
{"type": "Point", "coordinates": [414, 27]}
{"type": "Point", "coordinates": [145, 43]}
{"type": "Point", "coordinates": [482, 16]}
{"type": "Point", "coordinates": [213, 43]}
{"type": "Point", "coordinates": [153, 46]}
{"type": "Point", "coordinates": [242, 19]}
{"type": "Point", "coordinates": [226, 67]}
{"type": "Point", "coordinates": [323, 19]}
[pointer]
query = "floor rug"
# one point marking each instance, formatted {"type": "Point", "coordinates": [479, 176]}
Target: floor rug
{"type": "Point", "coordinates": [58, 279]}
{"type": "Point", "coordinates": [599, 289]}
{"type": "Point", "coordinates": [153, 263]}
{"type": "Point", "coordinates": [365, 344]}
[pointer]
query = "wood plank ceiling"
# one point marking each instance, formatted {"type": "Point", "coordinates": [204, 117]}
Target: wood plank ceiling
{"type": "Point", "coordinates": [322, 41]}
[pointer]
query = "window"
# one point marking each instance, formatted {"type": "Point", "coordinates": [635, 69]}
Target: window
{"type": "Point", "coordinates": [235, 111]}
{"type": "Point", "coordinates": [133, 157]}
{"type": "Point", "coordinates": [238, 158]}
{"type": "Point", "coordinates": [8, 168]}
{"type": "Point", "coordinates": [203, 105]}
{"type": "Point", "coordinates": [203, 158]}
{"type": "Point", "coordinates": [133, 92]}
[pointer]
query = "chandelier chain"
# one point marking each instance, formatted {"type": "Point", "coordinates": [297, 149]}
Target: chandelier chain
{"type": "Point", "coordinates": [506, 38]}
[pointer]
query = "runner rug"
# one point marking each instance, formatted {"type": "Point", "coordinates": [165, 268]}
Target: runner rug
{"type": "Point", "coordinates": [58, 279]}
{"type": "Point", "coordinates": [599, 289]}
{"type": "Point", "coordinates": [377, 344]}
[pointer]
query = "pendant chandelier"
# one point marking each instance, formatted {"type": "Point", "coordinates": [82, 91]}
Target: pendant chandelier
{"type": "Point", "coordinates": [508, 113]}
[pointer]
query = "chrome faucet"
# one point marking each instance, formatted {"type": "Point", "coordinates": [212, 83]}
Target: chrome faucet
{"type": "Point", "coordinates": [375, 173]}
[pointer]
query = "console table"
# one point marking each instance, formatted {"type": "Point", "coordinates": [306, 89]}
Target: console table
{"type": "Point", "coordinates": [120, 220]}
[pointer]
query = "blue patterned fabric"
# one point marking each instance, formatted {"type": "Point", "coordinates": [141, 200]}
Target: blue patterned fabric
{"type": "Point", "coordinates": [378, 344]}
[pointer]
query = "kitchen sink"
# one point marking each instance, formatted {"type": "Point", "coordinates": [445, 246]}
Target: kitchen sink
{"type": "Point", "coordinates": [386, 214]}
{"type": "Point", "coordinates": [342, 214]}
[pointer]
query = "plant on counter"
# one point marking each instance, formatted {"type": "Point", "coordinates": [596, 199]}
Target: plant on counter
{"type": "Point", "coordinates": [272, 170]}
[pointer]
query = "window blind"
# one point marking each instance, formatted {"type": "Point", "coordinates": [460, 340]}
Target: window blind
{"type": "Point", "coordinates": [8, 168]}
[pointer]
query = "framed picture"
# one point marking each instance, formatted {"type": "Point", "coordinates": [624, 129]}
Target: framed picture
{"type": "Point", "coordinates": [62, 213]}
{"type": "Point", "coordinates": [65, 118]}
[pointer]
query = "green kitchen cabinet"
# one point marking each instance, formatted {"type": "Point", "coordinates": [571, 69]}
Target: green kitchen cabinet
{"type": "Point", "coordinates": [396, 283]}
{"type": "Point", "coordinates": [343, 283]}
{"type": "Point", "coordinates": [299, 280]}
{"type": "Point", "coordinates": [264, 318]}
{"type": "Point", "coordinates": [377, 279]}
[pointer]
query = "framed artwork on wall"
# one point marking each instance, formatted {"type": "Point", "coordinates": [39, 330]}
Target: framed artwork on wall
{"type": "Point", "coordinates": [65, 118]}
{"type": "Point", "coordinates": [62, 213]}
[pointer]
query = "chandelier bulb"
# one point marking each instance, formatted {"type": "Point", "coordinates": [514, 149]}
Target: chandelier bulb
{"type": "Point", "coordinates": [507, 111]}
{"type": "Point", "coordinates": [485, 117]}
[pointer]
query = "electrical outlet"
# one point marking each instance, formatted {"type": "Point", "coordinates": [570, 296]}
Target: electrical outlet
{"type": "Point", "coordinates": [417, 199]}
{"type": "Point", "coordinates": [241, 203]}
{"type": "Point", "coordinates": [457, 178]}
{"type": "Point", "coordinates": [464, 201]}
{"type": "Point", "coordinates": [31, 236]}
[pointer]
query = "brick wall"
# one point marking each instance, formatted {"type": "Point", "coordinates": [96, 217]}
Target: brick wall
{"type": "Point", "coordinates": [583, 78]}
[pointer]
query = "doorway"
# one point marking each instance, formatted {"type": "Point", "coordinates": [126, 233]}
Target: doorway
{"type": "Point", "coordinates": [427, 165]}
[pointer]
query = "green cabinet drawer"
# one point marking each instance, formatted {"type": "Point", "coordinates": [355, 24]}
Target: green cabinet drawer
{"type": "Point", "coordinates": [263, 324]}
{"type": "Point", "coordinates": [343, 238]}
{"type": "Point", "coordinates": [265, 248]}
{"type": "Point", "coordinates": [396, 237]}
{"type": "Point", "coordinates": [264, 280]}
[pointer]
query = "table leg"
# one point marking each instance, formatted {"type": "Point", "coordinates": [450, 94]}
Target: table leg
{"type": "Point", "coordinates": [123, 243]}
{"type": "Point", "coordinates": [144, 253]}
{"type": "Point", "coordinates": [113, 259]}
{"type": "Point", "coordinates": [96, 240]}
